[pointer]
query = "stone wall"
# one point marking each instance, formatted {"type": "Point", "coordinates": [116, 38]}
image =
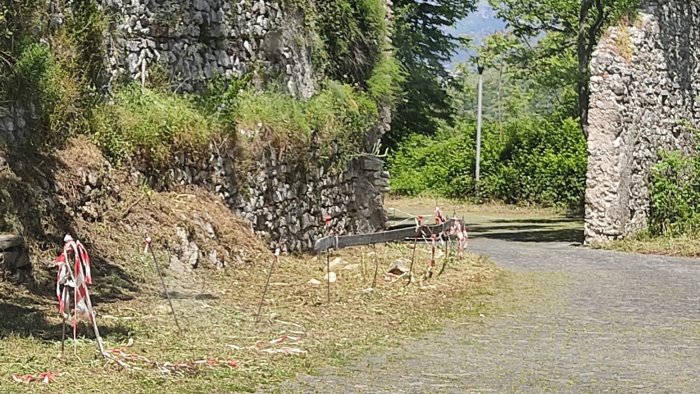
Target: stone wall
{"type": "Point", "coordinates": [196, 39]}
{"type": "Point", "coordinates": [285, 199]}
{"type": "Point", "coordinates": [189, 41]}
{"type": "Point", "coordinates": [644, 95]}
{"type": "Point", "coordinates": [15, 122]}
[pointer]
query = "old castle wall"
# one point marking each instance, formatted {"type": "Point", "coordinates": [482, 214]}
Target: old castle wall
{"type": "Point", "coordinates": [644, 99]}
{"type": "Point", "coordinates": [193, 40]}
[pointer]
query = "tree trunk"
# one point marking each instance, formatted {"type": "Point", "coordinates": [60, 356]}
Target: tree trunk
{"type": "Point", "coordinates": [583, 61]}
{"type": "Point", "coordinates": [586, 42]}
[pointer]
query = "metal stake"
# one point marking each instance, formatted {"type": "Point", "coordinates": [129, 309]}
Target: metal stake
{"type": "Point", "coordinates": [63, 334]}
{"type": "Point", "coordinates": [328, 276]}
{"type": "Point", "coordinates": [267, 283]}
{"type": "Point", "coordinates": [413, 258]}
{"type": "Point", "coordinates": [447, 255]}
{"type": "Point", "coordinates": [162, 281]}
{"type": "Point", "coordinates": [376, 265]}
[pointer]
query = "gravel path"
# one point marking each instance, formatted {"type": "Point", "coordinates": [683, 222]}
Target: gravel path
{"type": "Point", "coordinates": [612, 322]}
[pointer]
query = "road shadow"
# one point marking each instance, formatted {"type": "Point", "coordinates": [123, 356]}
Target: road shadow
{"type": "Point", "coordinates": [567, 235]}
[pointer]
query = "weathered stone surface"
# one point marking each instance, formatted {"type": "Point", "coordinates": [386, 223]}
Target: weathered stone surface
{"type": "Point", "coordinates": [640, 105]}
{"type": "Point", "coordinates": [192, 41]}
{"type": "Point", "coordinates": [14, 257]}
{"type": "Point", "coordinates": [198, 39]}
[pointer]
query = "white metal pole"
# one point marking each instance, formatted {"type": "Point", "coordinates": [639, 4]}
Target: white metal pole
{"type": "Point", "coordinates": [478, 127]}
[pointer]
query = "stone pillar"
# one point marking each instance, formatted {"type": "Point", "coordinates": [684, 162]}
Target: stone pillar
{"type": "Point", "coordinates": [645, 81]}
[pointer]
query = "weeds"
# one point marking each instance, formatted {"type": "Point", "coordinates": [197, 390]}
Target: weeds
{"type": "Point", "coordinates": [152, 125]}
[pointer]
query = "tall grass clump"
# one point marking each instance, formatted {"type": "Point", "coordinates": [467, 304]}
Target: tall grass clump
{"type": "Point", "coordinates": [151, 124]}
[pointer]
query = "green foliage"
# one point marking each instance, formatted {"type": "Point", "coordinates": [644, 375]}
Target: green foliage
{"type": "Point", "coordinates": [338, 116]}
{"type": "Point", "coordinates": [441, 165]}
{"type": "Point", "coordinates": [538, 162]}
{"type": "Point", "coordinates": [38, 78]}
{"type": "Point", "coordinates": [220, 96]}
{"type": "Point", "coordinates": [353, 35]}
{"type": "Point", "coordinates": [151, 124]}
{"type": "Point", "coordinates": [675, 195]}
{"type": "Point", "coordinates": [571, 31]}
{"type": "Point", "coordinates": [155, 125]}
{"type": "Point", "coordinates": [53, 69]}
{"type": "Point", "coordinates": [423, 48]}
{"type": "Point", "coordinates": [386, 80]}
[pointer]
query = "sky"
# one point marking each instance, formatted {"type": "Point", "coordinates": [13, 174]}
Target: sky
{"type": "Point", "coordinates": [478, 25]}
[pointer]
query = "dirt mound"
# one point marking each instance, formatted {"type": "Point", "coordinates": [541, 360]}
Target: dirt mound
{"type": "Point", "coordinates": [76, 190]}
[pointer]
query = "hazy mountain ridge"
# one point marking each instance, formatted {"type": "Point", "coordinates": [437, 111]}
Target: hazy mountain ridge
{"type": "Point", "coordinates": [477, 26]}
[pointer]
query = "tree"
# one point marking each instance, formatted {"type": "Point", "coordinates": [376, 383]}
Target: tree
{"type": "Point", "coordinates": [423, 48]}
{"type": "Point", "coordinates": [570, 26]}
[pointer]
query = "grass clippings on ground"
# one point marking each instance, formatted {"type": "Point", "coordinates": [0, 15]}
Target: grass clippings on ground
{"type": "Point", "coordinates": [221, 349]}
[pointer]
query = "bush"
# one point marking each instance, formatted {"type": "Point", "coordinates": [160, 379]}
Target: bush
{"type": "Point", "coordinates": [353, 34]}
{"type": "Point", "coordinates": [541, 163]}
{"type": "Point", "coordinates": [152, 124]}
{"type": "Point", "coordinates": [339, 116]}
{"type": "Point", "coordinates": [38, 78]}
{"type": "Point", "coordinates": [675, 195]}
{"type": "Point", "coordinates": [537, 162]}
{"type": "Point", "coordinates": [386, 80]}
{"type": "Point", "coordinates": [155, 125]}
{"type": "Point", "coordinates": [442, 165]}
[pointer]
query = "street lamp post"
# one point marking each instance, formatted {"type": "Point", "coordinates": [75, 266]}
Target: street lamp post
{"type": "Point", "coordinates": [480, 69]}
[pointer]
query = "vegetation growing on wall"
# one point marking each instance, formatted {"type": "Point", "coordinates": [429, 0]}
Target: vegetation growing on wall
{"type": "Point", "coordinates": [353, 35]}
{"type": "Point", "coordinates": [52, 65]}
{"type": "Point", "coordinates": [675, 195]}
{"type": "Point", "coordinates": [58, 71]}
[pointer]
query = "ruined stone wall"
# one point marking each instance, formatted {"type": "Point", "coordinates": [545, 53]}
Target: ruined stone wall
{"type": "Point", "coordinates": [644, 99]}
{"type": "Point", "coordinates": [190, 41]}
{"type": "Point", "coordinates": [194, 40]}
{"type": "Point", "coordinates": [287, 200]}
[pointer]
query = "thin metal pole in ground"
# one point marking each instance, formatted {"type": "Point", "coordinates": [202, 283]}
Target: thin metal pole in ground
{"type": "Point", "coordinates": [162, 282]}
{"type": "Point", "coordinates": [376, 265]}
{"type": "Point", "coordinates": [267, 283]}
{"type": "Point", "coordinates": [447, 255]}
{"type": "Point", "coordinates": [63, 334]}
{"type": "Point", "coordinates": [413, 256]}
{"type": "Point", "coordinates": [328, 277]}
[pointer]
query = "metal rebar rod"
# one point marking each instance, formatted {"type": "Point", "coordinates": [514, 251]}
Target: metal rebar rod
{"type": "Point", "coordinates": [267, 284]}
{"type": "Point", "coordinates": [162, 282]}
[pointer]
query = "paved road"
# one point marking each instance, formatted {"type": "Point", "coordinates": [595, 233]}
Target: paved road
{"type": "Point", "coordinates": [610, 322]}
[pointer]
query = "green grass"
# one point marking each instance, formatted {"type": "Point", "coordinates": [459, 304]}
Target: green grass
{"type": "Point", "coordinates": [682, 245]}
{"type": "Point", "coordinates": [153, 125]}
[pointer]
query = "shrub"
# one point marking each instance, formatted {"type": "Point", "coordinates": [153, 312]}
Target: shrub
{"type": "Point", "coordinates": [339, 116]}
{"type": "Point", "coordinates": [152, 124]}
{"type": "Point", "coordinates": [538, 162]}
{"type": "Point", "coordinates": [353, 34]}
{"type": "Point", "coordinates": [386, 80]}
{"type": "Point", "coordinates": [38, 78]}
{"type": "Point", "coordinates": [541, 163]}
{"type": "Point", "coordinates": [675, 195]}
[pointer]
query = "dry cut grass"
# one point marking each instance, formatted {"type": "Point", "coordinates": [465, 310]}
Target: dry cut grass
{"type": "Point", "coordinates": [220, 347]}
{"type": "Point", "coordinates": [299, 330]}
